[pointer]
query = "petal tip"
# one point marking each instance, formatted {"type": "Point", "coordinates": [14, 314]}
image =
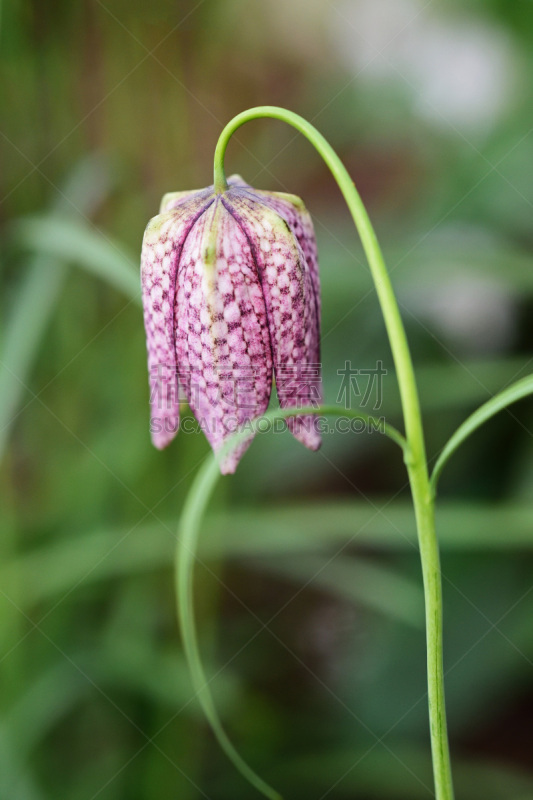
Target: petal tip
{"type": "Point", "coordinates": [161, 439]}
{"type": "Point", "coordinates": [305, 430]}
{"type": "Point", "coordinates": [230, 461]}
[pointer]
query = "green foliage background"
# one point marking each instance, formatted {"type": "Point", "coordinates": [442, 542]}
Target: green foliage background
{"type": "Point", "coordinates": [308, 586]}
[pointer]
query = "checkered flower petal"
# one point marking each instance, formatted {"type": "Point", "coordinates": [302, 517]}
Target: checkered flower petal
{"type": "Point", "coordinates": [231, 295]}
{"type": "Point", "coordinates": [162, 245]}
{"type": "Point", "coordinates": [223, 344]}
{"type": "Point", "coordinates": [292, 307]}
{"type": "Point", "coordinates": [292, 209]}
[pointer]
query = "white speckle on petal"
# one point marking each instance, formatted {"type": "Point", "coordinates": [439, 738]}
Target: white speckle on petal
{"type": "Point", "coordinates": [232, 313]}
{"type": "Point", "coordinates": [272, 274]}
{"type": "Point", "coordinates": [220, 329]}
{"type": "Point", "coordinates": [225, 285]}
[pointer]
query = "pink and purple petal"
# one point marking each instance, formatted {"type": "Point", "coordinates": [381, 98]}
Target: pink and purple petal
{"type": "Point", "coordinates": [229, 358]}
{"type": "Point", "coordinates": [292, 209]}
{"type": "Point", "coordinates": [291, 307]}
{"type": "Point", "coordinates": [161, 251]}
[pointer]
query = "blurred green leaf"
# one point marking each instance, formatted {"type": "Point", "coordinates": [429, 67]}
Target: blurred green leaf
{"type": "Point", "coordinates": [65, 564]}
{"type": "Point", "coordinates": [396, 770]}
{"type": "Point", "coordinates": [77, 243]}
{"type": "Point", "coordinates": [39, 291]}
{"type": "Point", "coordinates": [357, 580]}
{"type": "Point", "coordinates": [32, 309]}
{"type": "Point", "coordinates": [15, 781]}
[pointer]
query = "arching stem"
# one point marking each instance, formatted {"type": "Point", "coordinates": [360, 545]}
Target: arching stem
{"type": "Point", "coordinates": [188, 533]}
{"type": "Point", "coordinates": [415, 457]}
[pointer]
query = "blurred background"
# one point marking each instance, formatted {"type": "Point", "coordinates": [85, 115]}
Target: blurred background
{"type": "Point", "coordinates": [308, 586]}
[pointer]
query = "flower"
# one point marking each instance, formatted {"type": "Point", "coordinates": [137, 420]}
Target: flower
{"type": "Point", "coordinates": [231, 296]}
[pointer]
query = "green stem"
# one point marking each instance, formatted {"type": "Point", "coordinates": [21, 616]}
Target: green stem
{"type": "Point", "coordinates": [415, 456]}
{"type": "Point", "coordinates": [188, 532]}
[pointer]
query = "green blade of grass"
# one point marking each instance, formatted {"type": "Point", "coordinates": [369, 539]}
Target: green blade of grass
{"type": "Point", "coordinates": [32, 310]}
{"type": "Point", "coordinates": [361, 581]}
{"type": "Point", "coordinates": [40, 289]}
{"type": "Point", "coordinates": [372, 770]}
{"type": "Point", "coordinates": [80, 560]}
{"type": "Point", "coordinates": [74, 242]}
{"type": "Point", "coordinates": [507, 397]}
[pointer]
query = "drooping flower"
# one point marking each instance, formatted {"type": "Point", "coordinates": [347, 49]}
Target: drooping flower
{"type": "Point", "coordinates": [231, 296]}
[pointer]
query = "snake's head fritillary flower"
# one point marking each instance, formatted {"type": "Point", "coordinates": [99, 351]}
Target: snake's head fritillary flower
{"type": "Point", "coordinates": [231, 298]}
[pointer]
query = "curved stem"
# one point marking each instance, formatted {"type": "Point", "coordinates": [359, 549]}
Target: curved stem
{"type": "Point", "coordinates": [512, 394]}
{"type": "Point", "coordinates": [188, 532]}
{"type": "Point", "coordinates": [389, 306]}
{"type": "Point", "coordinates": [415, 456]}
